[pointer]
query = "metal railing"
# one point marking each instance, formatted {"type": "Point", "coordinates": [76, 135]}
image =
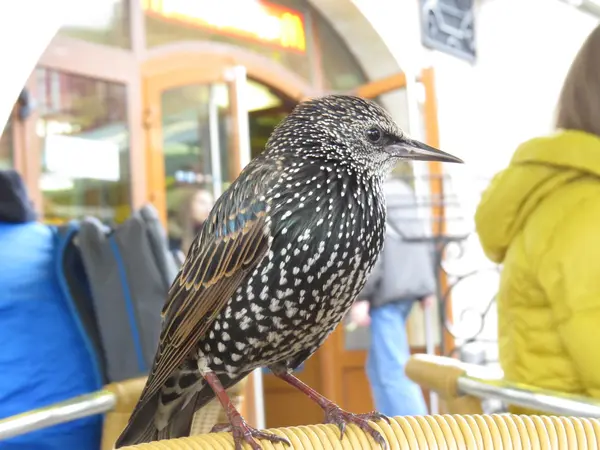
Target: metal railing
{"type": "Point", "coordinates": [550, 402]}
{"type": "Point", "coordinates": [473, 382]}
{"type": "Point", "coordinates": [453, 379]}
{"type": "Point", "coordinates": [78, 407]}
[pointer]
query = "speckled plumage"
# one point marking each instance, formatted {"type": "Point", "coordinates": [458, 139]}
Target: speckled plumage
{"type": "Point", "coordinates": [282, 256]}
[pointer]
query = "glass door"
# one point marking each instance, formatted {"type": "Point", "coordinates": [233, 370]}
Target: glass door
{"type": "Point", "coordinates": [198, 141]}
{"type": "Point", "coordinates": [197, 161]}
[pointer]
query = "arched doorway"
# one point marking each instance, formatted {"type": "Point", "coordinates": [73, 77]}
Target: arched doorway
{"type": "Point", "coordinates": [196, 123]}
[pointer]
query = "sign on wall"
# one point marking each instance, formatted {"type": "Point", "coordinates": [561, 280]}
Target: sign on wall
{"type": "Point", "coordinates": [257, 20]}
{"type": "Point", "coordinates": [448, 26]}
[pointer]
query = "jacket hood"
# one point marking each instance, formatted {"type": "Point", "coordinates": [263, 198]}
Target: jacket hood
{"type": "Point", "coordinates": [538, 168]}
{"type": "Point", "coordinates": [15, 204]}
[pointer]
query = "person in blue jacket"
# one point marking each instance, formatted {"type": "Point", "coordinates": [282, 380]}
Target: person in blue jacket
{"type": "Point", "coordinates": [43, 354]}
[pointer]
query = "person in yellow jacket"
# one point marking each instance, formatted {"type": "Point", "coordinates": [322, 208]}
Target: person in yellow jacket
{"type": "Point", "coordinates": [540, 218]}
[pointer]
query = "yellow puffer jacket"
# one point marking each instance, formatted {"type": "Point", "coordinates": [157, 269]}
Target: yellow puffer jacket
{"type": "Point", "coordinates": [540, 218]}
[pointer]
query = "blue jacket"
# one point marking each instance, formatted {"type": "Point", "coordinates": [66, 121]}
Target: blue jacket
{"type": "Point", "coordinates": [43, 358]}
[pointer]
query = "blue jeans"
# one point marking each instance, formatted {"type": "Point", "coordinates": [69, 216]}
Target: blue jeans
{"type": "Point", "coordinates": [393, 392]}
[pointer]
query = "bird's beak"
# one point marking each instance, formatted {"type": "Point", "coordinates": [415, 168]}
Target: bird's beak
{"type": "Point", "coordinates": [417, 151]}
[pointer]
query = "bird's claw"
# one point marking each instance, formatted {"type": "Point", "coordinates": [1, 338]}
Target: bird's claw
{"type": "Point", "coordinates": [341, 418]}
{"type": "Point", "coordinates": [244, 432]}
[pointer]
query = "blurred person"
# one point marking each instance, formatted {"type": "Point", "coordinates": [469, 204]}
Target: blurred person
{"type": "Point", "coordinates": [45, 358]}
{"type": "Point", "coordinates": [402, 276]}
{"type": "Point", "coordinates": [192, 213]}
{"type": "Point", "coordinates": [540, 218]}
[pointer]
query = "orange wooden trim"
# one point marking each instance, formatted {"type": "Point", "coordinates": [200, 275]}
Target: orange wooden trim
{"type": "Point", "coordinates": [236, 138]}
{"type": "Point", "coordinates": [198, 56]}
{"type": "Point", "coordinates": [91, 60]}
{"type": "Point", "coordinates": [155, 165]}
{"type": "Point", "coordinates": [432, 137]}
{"type": "Point", "coordinates": [137, 143]}
{"type": "Point", "coordinates": [381, 86]}
{"type": "Point", "coordinates": [330, 367]}
{"type": "Point", "coordinates": [185, 63]}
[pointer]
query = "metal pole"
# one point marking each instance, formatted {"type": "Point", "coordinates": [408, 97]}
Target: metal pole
{"type": "Point", "coordinates": [527, 397]}
{"type": "Point", "coordinates": [215, 144]}
{"type": "Point", "coordinates": [259, 398]}
{"type": "Point", "coordinates": [75, 408]}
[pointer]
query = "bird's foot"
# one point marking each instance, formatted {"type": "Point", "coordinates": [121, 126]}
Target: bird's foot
{"type": "Point", "coordinates": [341, 418]}
{"type": "Point", "coordinates": [243, 432]}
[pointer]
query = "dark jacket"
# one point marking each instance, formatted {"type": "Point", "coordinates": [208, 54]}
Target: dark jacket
{"type": "Point", "coordinates": [404, 269]}
{"type": "Point", "coordinates": [15, 205]}
{"type": "Point", "coordinates": [43, 358]}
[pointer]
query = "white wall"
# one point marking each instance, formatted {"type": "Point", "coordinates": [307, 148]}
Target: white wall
{"type": "Point", "coordinates": [487, 109]}
{"type": "Point", "coordinates": [525, 48]}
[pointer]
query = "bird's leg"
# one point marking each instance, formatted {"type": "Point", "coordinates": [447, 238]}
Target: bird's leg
{"type": "Point", "coordinates": [333, 413]}
{"type": "Point", "coordinates": [240, 429]}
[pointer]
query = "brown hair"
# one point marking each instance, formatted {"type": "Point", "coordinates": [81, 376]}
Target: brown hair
{"type": "Point", "coordinates": [579, 101]}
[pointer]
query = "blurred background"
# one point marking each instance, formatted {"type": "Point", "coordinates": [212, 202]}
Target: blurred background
{"type": "Point", "coordinates": [164, 101]}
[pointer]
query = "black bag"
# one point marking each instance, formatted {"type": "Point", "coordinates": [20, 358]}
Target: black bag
{"type": "Point", "coordinates": [119, 296]}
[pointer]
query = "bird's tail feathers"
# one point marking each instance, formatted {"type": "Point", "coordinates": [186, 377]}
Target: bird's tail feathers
{"type": "Point", "coordinates": [140, 428]}
{"type": "Point", "coordinates": [142, 425]}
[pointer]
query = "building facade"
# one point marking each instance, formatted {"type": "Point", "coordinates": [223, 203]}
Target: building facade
{"type": "Point", "coordinates": [138, 101]}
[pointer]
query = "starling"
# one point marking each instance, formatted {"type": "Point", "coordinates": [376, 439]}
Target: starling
{"type": "Point", "coordinates": [279, 261]}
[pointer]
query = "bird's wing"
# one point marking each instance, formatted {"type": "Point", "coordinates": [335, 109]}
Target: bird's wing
{"type": "Point", "coordinates": [234, 239]}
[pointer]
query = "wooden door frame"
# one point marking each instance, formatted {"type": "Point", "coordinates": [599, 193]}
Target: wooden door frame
{"type": "Point", "coordinates": [184, 63]}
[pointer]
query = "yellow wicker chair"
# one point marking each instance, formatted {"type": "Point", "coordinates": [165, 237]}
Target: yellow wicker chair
{"type": "Point", "coordinates": [440, 375]}
{"type": "Point", "coordinates": [127, 394]}
{"type": "Point", "coordinates": [470, 432]}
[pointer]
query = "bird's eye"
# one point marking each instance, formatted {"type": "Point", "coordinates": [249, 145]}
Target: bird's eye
{"type": "Point", "coordinates": [374, 135]}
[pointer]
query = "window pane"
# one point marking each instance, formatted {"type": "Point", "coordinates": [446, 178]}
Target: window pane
{"type": "Point", "coordinates": [99, 21]}
{"type": "Point", "coordinates": [194, 131]}
{"type": "Point", "coordinates": [85, 147]}
{"type": "Point", "coordinates": [6, 146]}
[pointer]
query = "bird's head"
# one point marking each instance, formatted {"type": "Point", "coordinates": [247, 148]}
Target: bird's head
{"type": "Point", "coordinates": [350, 130]}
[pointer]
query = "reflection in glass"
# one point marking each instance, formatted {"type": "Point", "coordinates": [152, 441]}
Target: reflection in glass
{"type": "Point", "coordinates": [6, 146]}
{"type": "Point", "coordinates": [198, 150]}
{"type": "Point", "coordinates": [265, 115]}
{"type": "Point", "coordinates": [195, 144]}
{"type": "Point", "coordinates": [85, 147]}
{"type": "Point", "coordinates": [99, 21]}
